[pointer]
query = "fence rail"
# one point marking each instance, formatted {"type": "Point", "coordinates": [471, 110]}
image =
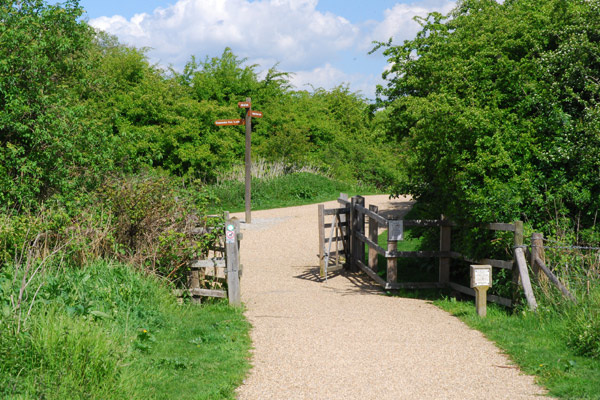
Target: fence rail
{"type": "Point", "coordinates": [228, 263]}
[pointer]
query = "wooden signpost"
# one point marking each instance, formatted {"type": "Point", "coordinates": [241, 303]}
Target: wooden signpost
{"type": "Point", "coordinates": [248, 123]}
{"type": "Point", "coordinates": [481, 281]}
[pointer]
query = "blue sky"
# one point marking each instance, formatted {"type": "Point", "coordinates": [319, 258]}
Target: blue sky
{"type": "Point", "coordinates": [322, 42]}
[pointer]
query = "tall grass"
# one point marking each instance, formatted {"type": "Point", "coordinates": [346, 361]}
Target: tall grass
{"type": "Point", "coordinates": [265, 170]}
{"type": "Point", "coordinates": [296, 188]}
{"type": "Point", "coordinates": [107, 331]}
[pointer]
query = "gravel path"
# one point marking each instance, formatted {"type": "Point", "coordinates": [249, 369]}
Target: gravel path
{"type": "Point", "coordinates": [343, 339]}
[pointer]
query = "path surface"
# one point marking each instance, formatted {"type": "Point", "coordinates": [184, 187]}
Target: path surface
{"type": "Point", "coordinates": [343, 339]}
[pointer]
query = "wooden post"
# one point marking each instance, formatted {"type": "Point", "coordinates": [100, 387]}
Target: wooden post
{"type": "Point", "coordinates": [248, 195]}
{"type": "Point", "coordinates": [322, 240]}
{"type": "Point", "coordinates": [345, 230]}
{"type": "Point", "coordinates": [194, 283]}
{"type": "Point", "coordinates": [351, 229]}
{"type": "Point", "coordinates": [392, 263]}
{"type": "Point", "coordinates": [524, 274]}
{"type": "Point", "coordinates": [232, 229]}
{"type": "Point", "coordinates": [361, 228]}
{"type": "Point", "coordinates": [445, 245]}
{"type": "Point", "coordinates": [518, 241]}
{"type": "Point", "coordinates": [373, 228]}
{"type": "Point", "coordinates": [537, 251]}
{"type": "Point", "coordinates": [355, 243]}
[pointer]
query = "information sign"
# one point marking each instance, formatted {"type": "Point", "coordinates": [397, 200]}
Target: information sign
{"type": "Point", "coordinates": [395, 230]}
{"type": "Point", "coordinates": [225, 122]}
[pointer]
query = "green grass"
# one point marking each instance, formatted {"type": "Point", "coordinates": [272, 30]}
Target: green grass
{"type": "Point", "coordinates": [105, 331]}
{"type": "Point", "coordinates": [294, 189]}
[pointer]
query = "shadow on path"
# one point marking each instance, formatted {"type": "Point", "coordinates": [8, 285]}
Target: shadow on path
{"type": "Point", "coordinates": [361, 284]}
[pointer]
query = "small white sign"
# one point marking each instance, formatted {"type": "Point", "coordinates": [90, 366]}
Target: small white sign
{"type": "Point", "coordinates": [481, 275]}
{"type": "Point", "coordinates": [230, 227]}
{"type": "Point", "coordinates": [395, 230]}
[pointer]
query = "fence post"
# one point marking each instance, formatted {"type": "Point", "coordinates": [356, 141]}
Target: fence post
{"type": "Point", "coordinates": [373, 228]}
{"type": "Point", "coordinates": [445, 245]}
{"type": "Point", "coordinates": [518, 242]}
{"type": "Point", "coordinates": [392, 263]}
{"type": "Point", "coordinates": [345, 231]}
{"type": "Point", "coordinates": [355, 226]}
{"type": "Point", "coordinates": [537, 251]}
{"type": "Point", "coordinates": [360, 246]}
{"type": "Point", "coordinates": [232, 229]}
{"type": "Point", "coordinates": [322, 240]}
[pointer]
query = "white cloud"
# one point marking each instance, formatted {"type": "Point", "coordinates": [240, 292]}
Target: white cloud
{"type": "Point", "coordinates": [328, 77]}
{"type": "Point", "coordinates": [399, 23]}
{"type": "Point", "coordinates": [291, 31]}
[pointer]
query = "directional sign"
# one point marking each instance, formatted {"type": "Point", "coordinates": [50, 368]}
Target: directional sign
{"type": "Point", "coordinates": [225, 122]}
{"type": "Point", "coordinates": [256, 114]}
{"type": "Point", "coordinates": [244, 104]}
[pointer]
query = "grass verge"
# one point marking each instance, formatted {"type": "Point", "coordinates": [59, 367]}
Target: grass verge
{"type": "Point", "coordinates": [106, 331]}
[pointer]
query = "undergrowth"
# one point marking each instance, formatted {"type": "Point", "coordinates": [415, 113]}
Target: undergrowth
{"type": "Point", "coordinates": [106, 331]}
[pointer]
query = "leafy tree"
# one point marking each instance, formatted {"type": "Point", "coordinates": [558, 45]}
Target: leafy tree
{"type": "Point", "coordinates": [497, 108]}
{"type": "Point", "coordinates": [43, 54]}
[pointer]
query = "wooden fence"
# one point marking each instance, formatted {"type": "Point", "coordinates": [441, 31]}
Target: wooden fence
{"type": "Point", "coordinates": [224, 266]}
{"type": "Point", "coordinates": [353, 239]}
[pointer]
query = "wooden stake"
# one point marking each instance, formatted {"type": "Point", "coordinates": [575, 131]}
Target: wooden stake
{"type": "Point", "coordinates": [322, 240]}
{"type": "Point", "coordinates": [537, 252]}
{"type": "Point", "coordinates": [524, 273]}
{"type": "Point", "coordinates": [232, 252]}
{"type": "Point", "coordinates": [518, 241]}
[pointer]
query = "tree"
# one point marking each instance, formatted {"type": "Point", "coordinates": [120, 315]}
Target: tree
{"type": "Point", "coordinates": [43, 54]}
{"type": "Point", "coordinates": [497, 108]}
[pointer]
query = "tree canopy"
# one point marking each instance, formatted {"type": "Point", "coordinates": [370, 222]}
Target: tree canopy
{"type": "Point", "coordinates": [497, 108]}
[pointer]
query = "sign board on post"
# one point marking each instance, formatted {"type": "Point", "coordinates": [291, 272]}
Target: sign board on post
{"type": "Point", "coordinates": [481, 281]}
{"type": "Point", "coordinates": [228, 122]}
{"type": "Point", "coordinates": [248, 122]}
{"type": "Point", "coordinates": [395, 230]}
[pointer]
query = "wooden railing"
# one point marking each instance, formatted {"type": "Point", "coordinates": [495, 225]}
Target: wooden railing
{"type": "Point", "coordinates": [356, 238]}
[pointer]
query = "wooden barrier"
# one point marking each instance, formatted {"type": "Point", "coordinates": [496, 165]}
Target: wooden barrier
{"type": "Point", "coordinates": [332, 231]}
{"type": "Point", "coordinates": [355, 240]}
{"type": "Point", "coordinates": [228, 262]}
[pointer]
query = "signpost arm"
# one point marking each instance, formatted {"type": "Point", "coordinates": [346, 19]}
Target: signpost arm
{"type": "Point", "coordinates": [248, 162]}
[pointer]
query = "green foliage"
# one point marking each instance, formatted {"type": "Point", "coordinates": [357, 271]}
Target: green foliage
{"type": "Point", "coordinates": [44, 142]}
{"type": "Point", "coordinates": [497, 107]}
{"type": "Point", "coordinates": [105, 331]}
